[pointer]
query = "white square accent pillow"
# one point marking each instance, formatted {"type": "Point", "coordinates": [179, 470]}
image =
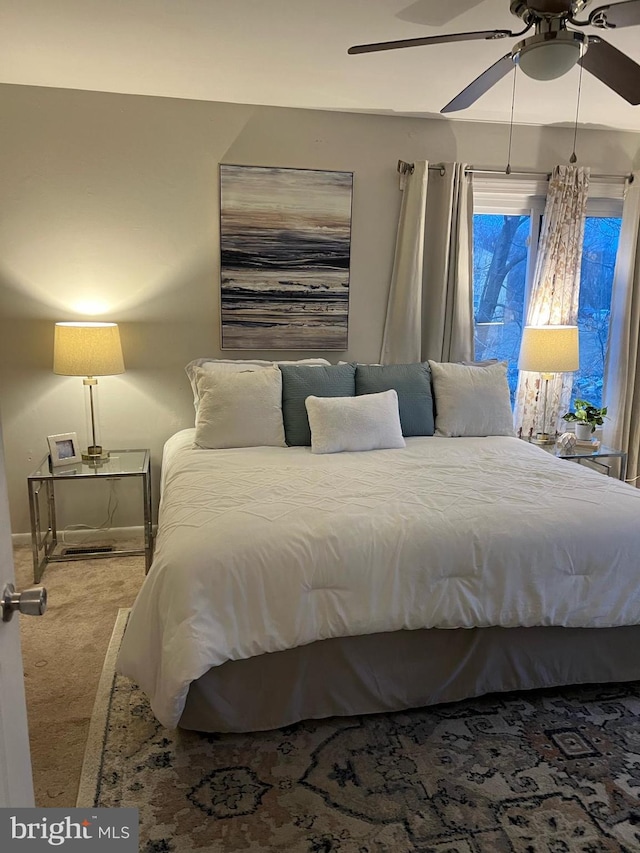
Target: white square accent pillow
{"type": "Point", "coordinates": [471, 400]}
{"type": "Point", "coordinates": [368, 422]}
{"type": "Point", "coordinates": [239, 409]}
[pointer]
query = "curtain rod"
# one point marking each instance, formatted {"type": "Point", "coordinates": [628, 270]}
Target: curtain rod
{"type": "Point", "coordinates": [404, 167]}
{"type": "Point", "coordinates": [547, 175]}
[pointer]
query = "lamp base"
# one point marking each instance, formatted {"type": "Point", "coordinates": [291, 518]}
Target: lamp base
{"type": "Point", "coordinates": [95, 454]}
{"type": "Point", "coordinates": [543, 438]}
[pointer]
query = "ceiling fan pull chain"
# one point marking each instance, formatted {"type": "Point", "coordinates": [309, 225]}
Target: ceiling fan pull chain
{"type": "Point", "coordinates": [574, 157]}
{"type": "Point", "coordinates": [513, 100]}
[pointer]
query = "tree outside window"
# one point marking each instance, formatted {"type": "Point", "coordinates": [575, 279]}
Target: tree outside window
{"type": "Point", "coordinates": [501, 260]}
{"type": "Point", "coordinates": [601, 236]}
{"type": "Point", "coordinates": [500, 249]}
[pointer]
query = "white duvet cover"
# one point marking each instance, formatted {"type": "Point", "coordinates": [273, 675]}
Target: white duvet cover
{"type": "Point", "coordinates": [263, 549]}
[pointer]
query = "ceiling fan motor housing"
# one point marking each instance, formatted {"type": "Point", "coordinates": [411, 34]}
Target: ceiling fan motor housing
{"type": "Point", "coordinates": [530, 10]}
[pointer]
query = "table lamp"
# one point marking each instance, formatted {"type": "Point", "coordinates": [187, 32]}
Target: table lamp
{"type": "Point", "coordinates": [89, 350]}
{"type": "Point", "coordinates": [548, 350]}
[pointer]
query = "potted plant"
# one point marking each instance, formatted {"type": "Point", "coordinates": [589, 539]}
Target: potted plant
{"type": "Point", "coordinates": [586, 418]}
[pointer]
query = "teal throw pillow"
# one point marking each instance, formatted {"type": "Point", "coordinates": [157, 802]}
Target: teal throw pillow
{"type": "Point", "coordinates": [299, 382]}
{"type": "Point", "coordinates": [412, 383]}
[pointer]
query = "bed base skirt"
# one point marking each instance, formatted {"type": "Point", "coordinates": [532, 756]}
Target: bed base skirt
{"type": "Point", "coordinates": [404, 669]}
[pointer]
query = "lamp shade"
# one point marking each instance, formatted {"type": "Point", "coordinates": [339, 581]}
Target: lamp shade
{"type": "Point", "coordinates": [87, 349]}
{"type": "Point", "coordinates": [549, 349]}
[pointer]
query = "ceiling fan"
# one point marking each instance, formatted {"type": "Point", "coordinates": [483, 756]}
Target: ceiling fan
{"type": "Point", "coordinates": [552, 50]}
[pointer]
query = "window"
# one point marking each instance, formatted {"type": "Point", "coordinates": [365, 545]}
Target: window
{"type": "Point", "coordinates": [599, 249]}
{"type": "Point", "coordinates": [506, 228]}
{"type": "Point", "coordinates": [500, 277]}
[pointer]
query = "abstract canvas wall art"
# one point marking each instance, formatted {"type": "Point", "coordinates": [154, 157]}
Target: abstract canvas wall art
{"type": "Point", "coordinates": [285, 237]}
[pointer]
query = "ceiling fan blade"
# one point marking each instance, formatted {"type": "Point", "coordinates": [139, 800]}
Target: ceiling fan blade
{"type": "Point", "coordinates": [614, 68]}
{"type": "Point", "coordinates": [480, 85]}
{"type": "Point", "coordinates": [419, 42]}
{"type": "Point", "coordinates": [616, 15]}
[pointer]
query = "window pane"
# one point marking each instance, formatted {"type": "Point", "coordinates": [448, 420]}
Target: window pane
{"type": "Point", "coordinates": [601, 235]}
{"type": "Point", "coordinates": [499, 283]}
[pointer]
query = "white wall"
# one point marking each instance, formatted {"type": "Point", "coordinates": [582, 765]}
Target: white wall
{"type": "Point", "coordinates": [114, 199]}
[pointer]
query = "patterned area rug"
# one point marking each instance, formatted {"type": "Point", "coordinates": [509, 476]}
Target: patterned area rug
{"type": "Point", "coordinates": [555, 771]}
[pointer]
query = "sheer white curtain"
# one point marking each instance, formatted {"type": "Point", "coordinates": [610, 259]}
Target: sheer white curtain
{"type": "Point", "coordinates": [556, 288]}
{"type": "Point", "coordinates": [622, 368]}
{"type": "Point", "coordinates": [430, 308]}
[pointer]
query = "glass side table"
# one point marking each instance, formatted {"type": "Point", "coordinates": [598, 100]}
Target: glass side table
{"type": "Point", "coordinates": [582, 453]}
{"type": "Point", "coordinates": [41, 483]}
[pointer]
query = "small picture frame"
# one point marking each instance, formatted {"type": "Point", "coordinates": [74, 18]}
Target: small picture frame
{"type": "Point", "coordinates": [64, 449]}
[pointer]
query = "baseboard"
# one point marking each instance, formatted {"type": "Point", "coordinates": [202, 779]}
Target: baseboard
{"type": "Point", "coordinates": [117, 534]}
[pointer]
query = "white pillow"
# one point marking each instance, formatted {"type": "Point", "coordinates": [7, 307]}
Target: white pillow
{"type": "Point", "coordinates": [235, 365]}
{"type": "Point", "coordinates": [471, 400]}
{"type": "Point", "coordinates": [239, 409]}
{"type": "Point", "coordinates": [368, 422]}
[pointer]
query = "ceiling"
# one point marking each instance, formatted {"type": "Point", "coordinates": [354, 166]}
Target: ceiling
{"type": "Point", "coordinates": [293, 53]}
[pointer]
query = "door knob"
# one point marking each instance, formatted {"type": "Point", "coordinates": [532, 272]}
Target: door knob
{"type": "Point", "coordinates": [31, 602]}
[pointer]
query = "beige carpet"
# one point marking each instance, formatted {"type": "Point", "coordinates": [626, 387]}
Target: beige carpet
{"type": "Point", "coordinates": [63, 654]}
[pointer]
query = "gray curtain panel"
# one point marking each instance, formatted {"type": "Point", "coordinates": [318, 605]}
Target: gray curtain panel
{"type": "Point", "coordinates": [402, 328]}
{"type": "Point", "coordinates": [430, 309]}
{"type": "Point", "coordinates": [622, 368]}
{"type": "Point", "coordinates": [447, 305]}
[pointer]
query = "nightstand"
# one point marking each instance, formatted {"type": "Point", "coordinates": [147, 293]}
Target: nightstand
{"type": "Point", "coordinates": [121, 464]}
{"type": "Point", "coordinates": [595, 455]}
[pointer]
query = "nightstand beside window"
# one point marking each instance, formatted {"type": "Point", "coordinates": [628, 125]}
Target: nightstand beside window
{"type": "Point", "coordinates": [596, 455]}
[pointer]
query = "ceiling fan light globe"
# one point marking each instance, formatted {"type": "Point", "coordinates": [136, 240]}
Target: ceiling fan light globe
{"type": "Point", "coordinates": [547, 56]}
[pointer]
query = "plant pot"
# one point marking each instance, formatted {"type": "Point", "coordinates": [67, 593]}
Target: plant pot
{"type": "Point", "coordinates": [583, 432]}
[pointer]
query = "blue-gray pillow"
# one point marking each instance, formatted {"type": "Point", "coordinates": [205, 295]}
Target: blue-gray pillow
{"type": "Point", "coordinates": [412, 382]}
{"type": "Point", "coordinates": [299, 382]}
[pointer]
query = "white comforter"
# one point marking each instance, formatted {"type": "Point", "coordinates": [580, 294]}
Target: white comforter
{"type": "Point", "coordinates": [267, 548]}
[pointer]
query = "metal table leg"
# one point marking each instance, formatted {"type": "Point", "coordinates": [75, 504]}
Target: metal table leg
{"type": "Point", "coordinates": [623, 467]}
{"type": "Point", "coordinates": [43, 541]}
{"type": "Point", "coordinates": [148, 530]}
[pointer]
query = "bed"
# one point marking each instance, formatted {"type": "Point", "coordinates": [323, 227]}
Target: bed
{"type": "Point", "coordinates": [288, 585]}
